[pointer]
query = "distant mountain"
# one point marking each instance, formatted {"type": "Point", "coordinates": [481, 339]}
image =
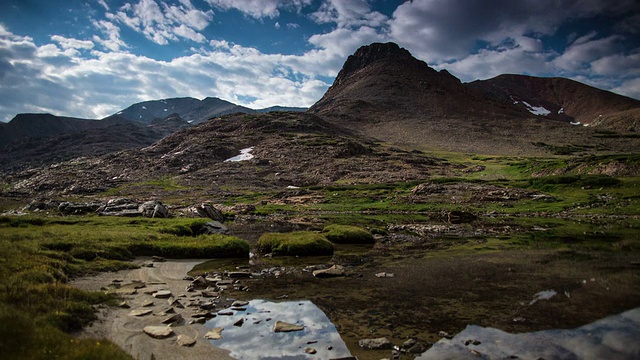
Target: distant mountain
{"type": "Point", "coordinates": [192, 110]}
{"type": "Point", "coordinates": [282, 109]}
{"type": "Point", "coordinates": [24, 126]}
{"type": "Point", "coordinates": [563, 99]}
{"type": "Point", "coordinates": [39, 151]}
{"type": "Point", "coordinates": [382, 91]}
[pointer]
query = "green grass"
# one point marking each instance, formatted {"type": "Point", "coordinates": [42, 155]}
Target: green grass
{"type": "Point", "coordinates": [346, 234]}
{"type": "Point", "coordinates": [299, 243]}
{"type": "Point", "coordinates": [39, 255]}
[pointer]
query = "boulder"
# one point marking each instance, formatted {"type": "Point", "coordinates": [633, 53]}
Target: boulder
{"type": "Point", "coordinates": [120, 207]}
{"type": "Point", "coordinates": [214, 227]}
{"type": "Point", "coordinates": [334, 271]}
{"type": "Point", "coordinates": [73, 208]}
{"type": "Point", "coordinates": [375, 344]}
{"type": "Point", "coordinates": [214, 334]}
{"type": "Point", "coordinates": [208, 211]}
{"type": "Point", "coordinates": [162, 294]}
{"type": "Point", "coordinates": [153, 209]}
{"type": "Point", "coordinates": [281, 326]}
{"type": "Point", "coordinates": [158, 332]}
{"type": "Point", "coordinates": [184, 340]}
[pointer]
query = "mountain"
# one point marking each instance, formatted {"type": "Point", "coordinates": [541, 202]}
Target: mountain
{"type": "Point", "coordinates": [192, 110]}
{"type": "Point", "coordinates": [383, 92]}
{"type": "Point", "coordinates": [563, 99]}
{"type": "Point", "coordinates": [24, 126]}
{"type": "Point", "coordinates": [41, 151]}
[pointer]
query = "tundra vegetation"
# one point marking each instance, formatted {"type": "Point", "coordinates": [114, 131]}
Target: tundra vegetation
{"type": "Point", "coordinates": [551, 204]}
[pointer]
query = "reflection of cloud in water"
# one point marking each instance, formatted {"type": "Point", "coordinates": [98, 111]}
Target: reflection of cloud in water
{"type": "Point", "coordinates": [259, 341]}
{"type": "Point", "coordinates": [615, 337]}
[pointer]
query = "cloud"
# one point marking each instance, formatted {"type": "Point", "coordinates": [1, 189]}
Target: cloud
{"type": "Point", "coordinates": [348, 13]}
{"type": "Point", "coordinates": [630, 88]}
{"type": "Point", "coordinates": [585, 50]}
{"type": "Point", "coordinates": [104, 4]}
{"type": "Point", "coordinates": [69, 43]}
{"type": "Point", "coordinates": [259, 9]}
{"type": "Point", "coordinates": [113, 41]}
{"type": "Point", "coordinates": [166, 23]}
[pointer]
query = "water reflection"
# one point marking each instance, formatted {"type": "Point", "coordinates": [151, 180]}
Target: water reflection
{"type": "Point", "coordinates": [615, 337]}
{"type": "Point", "coordinates": [255, 339]}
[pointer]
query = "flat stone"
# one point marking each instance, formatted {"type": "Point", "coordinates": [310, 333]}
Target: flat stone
{"type": "Point", "coordinates": [210, 294]}
{"type": "Point", "coordinates": [162, 294]}
{"type": "Point", "coordinates": [311, 351]}
{"type": "Point", "coordinates": [375, 344]}
{"type": "Point", "coordinates": [225, 313]}
{"type": "Point", "coordinates": [175, 318]}
{"type": "Point", "coordinates": [214, 334]}
{"type": "Point", "coordinates": [158, 332]}
{"type": "Point", "coordinates": [124, 305]}
{"type": "Point", "coordinates": [140, 312]}
{"type": "Point", "coordinates": [184, 340]}
{"type": "Point", "coordinates": [238, 323]}
{"type": "Point", "coordinates": [281, 326]}
{"type": "Point", "coordinates": [203, 314]}
{"type": "Point", "coordinates": [334, 271]}
{"type": "Point", "coordinates": [147, 303]}
{"type": "Point", "coordinates": [239, 274]}
{"type": "Point", "coordinates": [198, 321]}
{"type": "Point", "coordinates": [239, 303]}
{"type": "Point", "coordinates": [176, 303]}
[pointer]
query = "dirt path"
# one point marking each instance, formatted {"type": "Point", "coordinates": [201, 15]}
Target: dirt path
{"type": "Point", "coordinates": [125, 330]}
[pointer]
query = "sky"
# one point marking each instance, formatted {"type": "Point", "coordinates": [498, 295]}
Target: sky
{"type": "Point", "coordinates": [92, 58]}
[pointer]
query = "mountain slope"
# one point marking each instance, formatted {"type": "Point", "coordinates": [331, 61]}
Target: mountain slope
{"type": "Point", "coordinates": [24, 126]}
{"type": "Point", "coordinates": [383, 92]}
{"type": "Point", "coordinates": [559, 98]}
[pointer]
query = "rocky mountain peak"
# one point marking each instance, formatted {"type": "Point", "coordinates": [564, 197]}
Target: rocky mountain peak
{"type": "Point", "coordinates": [370, 54]}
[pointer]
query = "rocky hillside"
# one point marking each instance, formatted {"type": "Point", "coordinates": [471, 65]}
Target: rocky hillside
{"type": "Point", "coordinates": [24, 126]}
{"type": "Point", "coordinates": [563, 99]}
{"type": "Point", "coordinates": [383, 92]}
{"type": "Point", "coordinates": [289, 150]}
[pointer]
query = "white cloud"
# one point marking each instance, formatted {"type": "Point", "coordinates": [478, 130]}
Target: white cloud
{"type": "Point", "coordinates": [104, 4]}
{"type": "Point", "coordinates": [113, 41]}
{"type": "Point", "coordinates": [164, 24]}
{"type": "Point", "coordinates": [259, 9]}
{"type": "Point", "coordinates": [69, 43]}
{"type": "Point", "coordinates": [349, 13]}
{"type": "Point", "coordinates": [617, 65]}
{"type": "Point", "coordinates": [630, 88]}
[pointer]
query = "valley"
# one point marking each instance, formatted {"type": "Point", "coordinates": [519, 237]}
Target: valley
{"type": "Point", "coordinates": [474, 210]}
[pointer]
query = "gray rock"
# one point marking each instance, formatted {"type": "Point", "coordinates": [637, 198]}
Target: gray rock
{"type": "Point", "coordinates": [375, 344]}
{"type": "Point", "coordinates": [281, 326]}
{"type": "Point", "coordinates": [73, 208]}
{"type": "Point", "coordinates": [334, 271]}
{"type": "Point", "coordinates": [153, 209]}
{"type": "Point", "coordinates": [184, 340]}
{"type": "Point", "coordinates": [175, 318]}
{"type": "Point", "coordinates": [162, 294]}
{"type": "Point", "coordinates": [158, 332]}
{"type": "Point", "coordinates": [140, 312]}
{"type": "Point", "coordinates": [214, 227]}
{"type": "Point", "coordinates": [207, 210]}
{"type": "Point", "coordinates": [214, 334]}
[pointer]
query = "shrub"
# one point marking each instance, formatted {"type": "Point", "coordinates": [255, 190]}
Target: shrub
{"type": "Point", "coordinates": [347, 234]}
{"type": "Point", "coordinates": [299, 243]}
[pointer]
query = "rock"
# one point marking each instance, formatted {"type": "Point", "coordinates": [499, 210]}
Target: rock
{"type": "Point", "coordinates": [214, 227]}
{"type": "Point", "coordinates": [239, 323]}
{"type": "Point", "coordinates": [184, 340]}
{"type": "Point", "coordinates": [281, 326]}
{"type": "Point", "coordinates": [203, 314]}
{"type": "Point", "coordinates": [175, 318]}
{"type": "Point", "coordinates": [162, 294]}
{"type": "Point", "coordinates": [120, 207]}
{"type": "Point", "coordinates": [210, 294]}
{"type": "Point", "coordinates": [175, 303]}
{"type": "Point", "coordinates": [124, 305]}
{"type": "Point", "coordinates": [153, 209]}
{"type": "Point", "coordinates": [147, 303]}
{"type": "Point", "coordinates": [311, 351]}
{"type": "Point", "coordinates": [384, 275]}
{"type": "Point", "coordinates": [460, 217]}
{"type": "Point", "coordinates": [334, 271]}
{"type": "Point", "coordinates": [158, 332]}
{"type": "Point", "coordinates": [225, 313]}
{"type": "Point", "coordinates": [73, 208]}
{"type": "Point", "coordinates": [214, 334]}
{"type": "Point", "coordinates": [158, 259]}
{"type": "Point", "coordinates": [198, 321]}
{"type": "Point", "coordinates": [140, 312]}
{"type": "Point", "coordinates": [207, 210]}
{"type": "Point", "coordinates": [445, 335]}
{"type": "Point", "coordinates": [239, 274]}
{"type": "Point", "coordinates": [417, 348]}
{"type": "Point", "coordinates": [239, 303]}
{"type": "Point", "coordinates": [375, 344]}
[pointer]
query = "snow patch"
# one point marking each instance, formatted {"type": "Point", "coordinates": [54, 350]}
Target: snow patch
{"type": "Point", "coordinates": [575, 123]}
{"type": "Point", "coordinates": [144, 107]}
{"type": "Point", "coordinates": [293, 187]}
{"type": "Point", "coordinates": [561, 111]}
{"type": "Point", "coordinates": [537, 110]}
{"type": "Point", "coordinates": [543, 295]}
{"type": "Point", "coordinates": [119, 113]}
{"type": "Point", "coordinates": [245, 154]}
{"type": "Point", "coordinates": [165, 109]}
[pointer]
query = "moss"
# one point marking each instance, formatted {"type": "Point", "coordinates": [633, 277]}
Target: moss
{"type": "Point", "coordinates": [300, 243]}
{"type": "Point", "coordinates": [346, 234]}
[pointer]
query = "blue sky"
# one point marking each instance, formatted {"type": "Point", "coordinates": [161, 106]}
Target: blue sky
{"type": "Point", "coordinates": [91, 58]}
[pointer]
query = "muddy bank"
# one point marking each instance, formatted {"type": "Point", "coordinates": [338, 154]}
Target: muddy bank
{"type": "Point", "coordinates": [119, 325]}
